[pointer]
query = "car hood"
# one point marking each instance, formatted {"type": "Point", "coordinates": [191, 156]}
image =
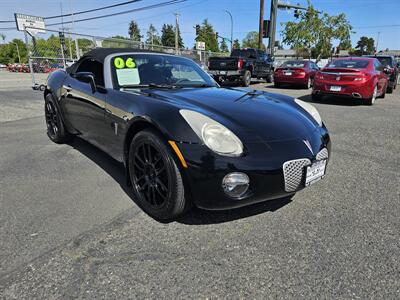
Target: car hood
{"type": "Point", "coordinates": [259, 116]}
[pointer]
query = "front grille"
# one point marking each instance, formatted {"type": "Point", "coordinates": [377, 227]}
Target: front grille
{"type": "Point", "coordinates": [293, 171]}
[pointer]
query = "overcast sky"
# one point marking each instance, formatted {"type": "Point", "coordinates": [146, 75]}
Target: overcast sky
{"type": "Point", "coordinates": [367, 16]}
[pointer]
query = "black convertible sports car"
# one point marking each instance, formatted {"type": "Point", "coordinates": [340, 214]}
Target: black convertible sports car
{"type": "Point", "coordinates": [181, 137]}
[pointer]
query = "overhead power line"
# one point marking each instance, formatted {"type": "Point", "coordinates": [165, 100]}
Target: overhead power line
{"type": "Point", "coordinates": [84, 11]}
{"type": "Point", "coordinates": [92, 10]}
{"type": "Point", "coordinates": [123, 12]}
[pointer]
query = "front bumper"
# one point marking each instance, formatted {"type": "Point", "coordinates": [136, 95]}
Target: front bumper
{"type": "Point", "coordinates": [262, 162]}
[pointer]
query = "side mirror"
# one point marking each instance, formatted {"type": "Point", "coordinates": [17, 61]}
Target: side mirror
{"type": "Point", "coordinates": [87, 77]}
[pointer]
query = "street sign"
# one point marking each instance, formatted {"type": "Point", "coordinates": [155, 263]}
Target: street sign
{"type": "Point", "coordinates": [26, 21]}
{"type": "Point", "coordinates": [200, 46]}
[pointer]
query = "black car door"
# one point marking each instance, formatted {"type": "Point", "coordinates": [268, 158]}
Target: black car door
{"type": "Point", "coordinates": [84, 108]}
{"type": "Point", "coordinates": [262, 63]}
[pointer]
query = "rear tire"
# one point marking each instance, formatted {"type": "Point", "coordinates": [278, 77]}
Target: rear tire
{"type": "Point", "coordinates": [308, 84]}
{"type": "Point", "coordinates": [246, 79]}
{"type": "Point", "coordinates": [156, 179]}
{"type": "Point", "coordinates": [56, 130]}
{"type": "Point", "coordinates": [370, 101]}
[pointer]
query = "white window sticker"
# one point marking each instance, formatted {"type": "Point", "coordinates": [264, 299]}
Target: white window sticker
{"type": "Point", "coordinates": [128, 76]}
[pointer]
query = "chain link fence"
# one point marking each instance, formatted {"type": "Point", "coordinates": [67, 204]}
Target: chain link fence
{"type": "Point", "coordinates": [60, 49]}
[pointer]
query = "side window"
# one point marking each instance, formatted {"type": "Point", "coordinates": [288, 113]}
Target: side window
{"type": "Point", "coordinates": [95, 67]}
{"type": "Point", "coordinates": [378, 66]}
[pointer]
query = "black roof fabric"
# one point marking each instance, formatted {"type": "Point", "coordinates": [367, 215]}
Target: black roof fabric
{"type": "Point", "coordinates": [100, 54]}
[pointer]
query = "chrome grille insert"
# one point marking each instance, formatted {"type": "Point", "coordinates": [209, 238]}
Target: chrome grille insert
{"type": "Point", "coordinates": [323, 154]}
{"type": "Point", "coordinates": [293, 173]}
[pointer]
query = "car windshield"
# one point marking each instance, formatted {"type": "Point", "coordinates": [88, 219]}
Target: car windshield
{"type": "Point", "coordinates": [294, 64]}
{"type": "Point", "coordinates": [243, 53]}
{"type": "Point", "coordinates": [385, 61]}
{"type": "Point", "coordinates": [157, 70]}
{"type": "Point", "coordinates": [349, 63]}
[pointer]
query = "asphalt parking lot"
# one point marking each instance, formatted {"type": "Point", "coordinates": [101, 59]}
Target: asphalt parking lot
{"type": "Point", "coordinates": [70, 227]}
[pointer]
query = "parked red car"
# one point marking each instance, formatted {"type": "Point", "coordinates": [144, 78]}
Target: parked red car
{"type": "Point", "coordinates": [356, 77]}
{"type": "Point", "coordinates": [296, 72]}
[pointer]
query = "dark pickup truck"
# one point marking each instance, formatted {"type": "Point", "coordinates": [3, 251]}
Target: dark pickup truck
{"type": "Point", "coordinates": [242, 65]}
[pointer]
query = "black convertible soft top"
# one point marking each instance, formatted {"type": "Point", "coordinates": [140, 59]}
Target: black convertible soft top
{"type": "Point", "coordinates": [99, 54]}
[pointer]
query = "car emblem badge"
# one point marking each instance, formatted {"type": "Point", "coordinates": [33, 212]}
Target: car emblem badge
{"type": "Point", "coordinates": [337, 78]}
{"type": "Point", "coordinates": [307, 143]}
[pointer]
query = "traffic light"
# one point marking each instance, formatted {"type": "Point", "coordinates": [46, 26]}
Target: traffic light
{"type": "Point", "coordinates": [216, 35]}
{"type": "Point", "coordinates": [296, 13]}
{"type": "Point", "coordinates": [266, 25]}
{"type": "Point", "coordinates": [62, 37]}
{"type": "Point", "coordinates": [197, 29]}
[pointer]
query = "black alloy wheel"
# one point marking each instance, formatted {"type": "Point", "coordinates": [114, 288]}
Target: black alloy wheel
{"type": "Point", "coordinates": [155, 178]}
{"type": "Point", "coordinates": [55, 128]}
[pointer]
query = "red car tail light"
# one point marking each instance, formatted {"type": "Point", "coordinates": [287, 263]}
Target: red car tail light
{"type": "Point", "coordinates": [240, 63]}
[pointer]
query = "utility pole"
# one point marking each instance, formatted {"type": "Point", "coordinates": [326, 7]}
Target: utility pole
{"type": "Point", "coordinates": [275, 5]}
{"type": "Point", "coordinates": [273, 17]}
{"type": "Point", "coordinates": [176, 32]}
{"type": "Point", "coordinates": [73, 28]}
{"type": "Point", "coordinates": [19, 57]}
{"type": "Point", "coordinates": [260, 30]}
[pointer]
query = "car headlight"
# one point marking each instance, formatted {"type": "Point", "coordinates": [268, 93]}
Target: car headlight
{"type": "Point", "coordinates": [213, 134]}
{"type": "Point", "coordinates": [311, 110]}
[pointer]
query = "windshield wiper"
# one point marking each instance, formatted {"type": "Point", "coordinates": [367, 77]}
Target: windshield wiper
{"type": "Point", "coordinates": [151, 85]}
{"type": "Point", "coordinates": [202, 85]}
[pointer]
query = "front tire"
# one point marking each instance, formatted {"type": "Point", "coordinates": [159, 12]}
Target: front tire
{"type": "Point", "coordinates": [269, 78]}
{"type": "Point", "coordinates": [56, 130]}
{"type": "Point", "coordinates": [156, 179]}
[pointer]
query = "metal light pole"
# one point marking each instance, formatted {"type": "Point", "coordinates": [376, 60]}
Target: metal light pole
{"type": "Point", "coordinates": [229, 13]}
{"type": "Point", "coordinates": [260, 30]}
{"type": "Point", "coordinates": [19, 57]}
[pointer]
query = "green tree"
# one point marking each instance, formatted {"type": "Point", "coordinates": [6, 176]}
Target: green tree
{"type": "Point", "coordinates": [9, 53]}
{"type": "Point", "coordinates": [365, 46]}
{"type": "Point", "coordinates": [152, 37]}
{"type": "Point", "coordinates": [207, 35]}
{"type": "Point", "coordinates": [224, 47]}
{"type": "Point", "coordinates": [168, 35]}
{"type": "Point", "coordinates": [251, 40]}
{"type": "Point", "coordinates": [236, 44]}
{"type": "Point", "coordinates": [134, 31]}
{"type": "Point", "coordinates": [315, 32]}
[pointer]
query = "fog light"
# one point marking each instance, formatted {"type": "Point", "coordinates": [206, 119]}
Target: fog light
{"type": "Point", "coordinates": [235, 184]}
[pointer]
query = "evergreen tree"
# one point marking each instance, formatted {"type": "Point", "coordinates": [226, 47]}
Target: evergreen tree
{"type": "Point", "coordinates": [168, 35]}
{"type": "Point", "coordinates": [134, 31]}
{"type": "Point", "coordinates": [236, 44]}
{"type": "Point", "coordinates": [207, 35]}
{"type": "Point", "coordinates": [152, 37]}
{"type": "Point", "coordinates": [224, 47]}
